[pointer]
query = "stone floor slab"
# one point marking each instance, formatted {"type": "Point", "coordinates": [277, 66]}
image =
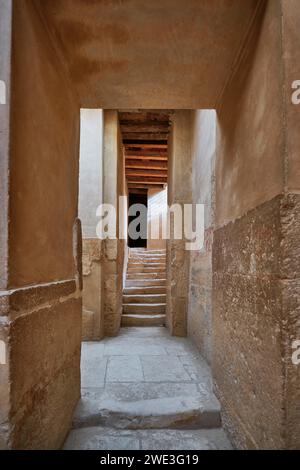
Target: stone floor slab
{"type": "Point", "coordinates": [197, 368]}
{"type": "Point", "coordinates": [124, 369]}
{"type": "Point", "coordinates": [99, 438]}
{"type": "Point", "coordinates": [93, 371]}
{"type": "Point", "coordinates": [146, 389]}
{"type": "Point", "coordinates": [139, 347]}
{"type": "Point", "coordinates": [95, 438]}
{"type": "Point", "coordinates": [163, 369]}
{"type": "Point", "coordinates": [208, 439]}
{"type": "Point", "coordinates": [150, 390]}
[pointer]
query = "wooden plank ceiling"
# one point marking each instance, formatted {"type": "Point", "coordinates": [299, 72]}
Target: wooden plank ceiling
{"type": "Point", "coordinates": [145, 138]}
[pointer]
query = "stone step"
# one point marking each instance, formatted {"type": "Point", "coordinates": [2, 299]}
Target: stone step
{"type": "Point", "coordinates": [149, 410]}
{"type": "Point", "coordinates": [142, 320]}
{"type": "Point", "coordinates": [144, 290]}
{"type": "Point", "coordinates": [147, 255]}
{"type": "Point", "coordinates": [145, 282]}
{"type": "Point", "coordinates": [144, 309]}
{"type": "Point", "coordinates": [144, 299]}
{"type": "Point", "coordinates": [155, 275]}
{"type": "Point", "coordinates": [146, 264]}
{"type": "Point", "coordinates": [146, 269]}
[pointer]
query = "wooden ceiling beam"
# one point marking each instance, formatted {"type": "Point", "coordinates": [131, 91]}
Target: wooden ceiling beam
{"type": "Point", "coordinates": [151, 183]}
{"type": "Point", "coordinates": [147, 158]}
{"type": "Point", "coordinates": [144, 186]}
{"type": "Point", "coordinates": [146, 179]}
{"type": "Point", "coordinates": [145, 155]}
{"type": "Point", "coordinates": [145, 127]}
{"type": "Point", "coordinates": [136, 172]}
{"type": "Point", "coordinates": [159, 116]}
{"type": "Point", "coordinates": [146, 145]}
{"type": "Point", "coordinates": [169, 112]}
{"type": "Point", "coordinates": [148, 136]}
{"type": "Point", "coordinates": [146, 164]}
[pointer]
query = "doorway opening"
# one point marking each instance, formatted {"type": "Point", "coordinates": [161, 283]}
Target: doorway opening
{"type": "Point", "coordinates": [136, 200]}
{"type": "Point", "coordinates": [145, 135]}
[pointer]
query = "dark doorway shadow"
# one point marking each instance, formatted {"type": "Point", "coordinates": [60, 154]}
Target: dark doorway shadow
{"type": "Point", "coordinates": [138, 199]}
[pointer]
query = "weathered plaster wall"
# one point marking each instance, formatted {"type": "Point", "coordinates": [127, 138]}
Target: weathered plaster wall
{"type": "Point", "coordinates": [41, 305]}
{"type": "Point", "coordinates": [203, 129]}
{"type": "Point", "coordinates": [90, 197]}
{"type": "Point", "coordinates": [43, 110]}
{"type": "Point", "coordinates": [291, 58]}
{"type": "Point", "coordinates": [5, 70]}
{"type": "Point", "coordinates": [290, 220]}
{"type": "Point", "coordinates": [157, 219]}
{"type": "Point", "coordinates": [179, 192]}
{"type": "Point", "coordinates": [249, 169]}
{"type": "Point", "coordinates": [113, 251]}
{"type": "Point", "coordinates": [90, 169]}
{"type": "Point", "coordinates": [5, 62]}
{"type": "Point", "coordinates": [255, 254]}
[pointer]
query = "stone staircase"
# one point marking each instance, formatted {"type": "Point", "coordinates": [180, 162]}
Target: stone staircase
{"type": "Point", "coordinates": [144, 295]}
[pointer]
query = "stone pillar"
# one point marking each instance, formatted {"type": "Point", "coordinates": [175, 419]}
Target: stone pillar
{"type": "Point", "coordinates": [200, 289]}
{"type": "Point", "coordinates": [90, 197]}
{"type": "Point", "coordinates": [256, 256]}
{"type": "Point", "coordinates": [113, 250]}
{"type": "Point", "coordinates": [179, 192]}
{"type": "Point", "coordinates": [40, 298]}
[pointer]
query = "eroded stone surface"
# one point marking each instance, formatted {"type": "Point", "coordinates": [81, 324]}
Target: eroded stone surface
{"type": "Point", "coordinates": [144, 390]}
{"type": "Point", "coordinates": [92, 321]}
{"type": "Point", "coordinates": [179, 192]}
{"type": "Point", "coordinates": [256, 304]}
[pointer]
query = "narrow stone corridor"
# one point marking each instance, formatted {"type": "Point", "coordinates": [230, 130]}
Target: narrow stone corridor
{"type": "Point", "coordinates": [146, 390]}
{"type": "Point", "coordinates": [149, 225]}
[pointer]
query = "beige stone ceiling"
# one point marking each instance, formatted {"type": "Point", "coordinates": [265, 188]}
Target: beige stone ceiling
{"type": "Point", "coordinates": [149, 53]}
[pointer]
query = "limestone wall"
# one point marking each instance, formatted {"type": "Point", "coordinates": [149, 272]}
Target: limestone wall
{"type": "Point", "coordinates": [41, 305]}
{"type": "Point", "coordinates": [92, 316]}
{"type": "Point", "coordinates": [255, 258]}
{"type": "Point", "coordinates": [113, 251]}
{"type": "Point", "coordinates": [5, 61]}
{"type": "Point", "coordinates": [290, 220]}
{"type": "Point", "coordinates": [91, 169]}
{"type": "Point", "coordinates": [203, 129]}
{"type": "Point", "coordinates": [157, 219]}
{"type": "Point", "coordinates": [90, 197]}
{"type": "Point", "coordinates": [179, 192]}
